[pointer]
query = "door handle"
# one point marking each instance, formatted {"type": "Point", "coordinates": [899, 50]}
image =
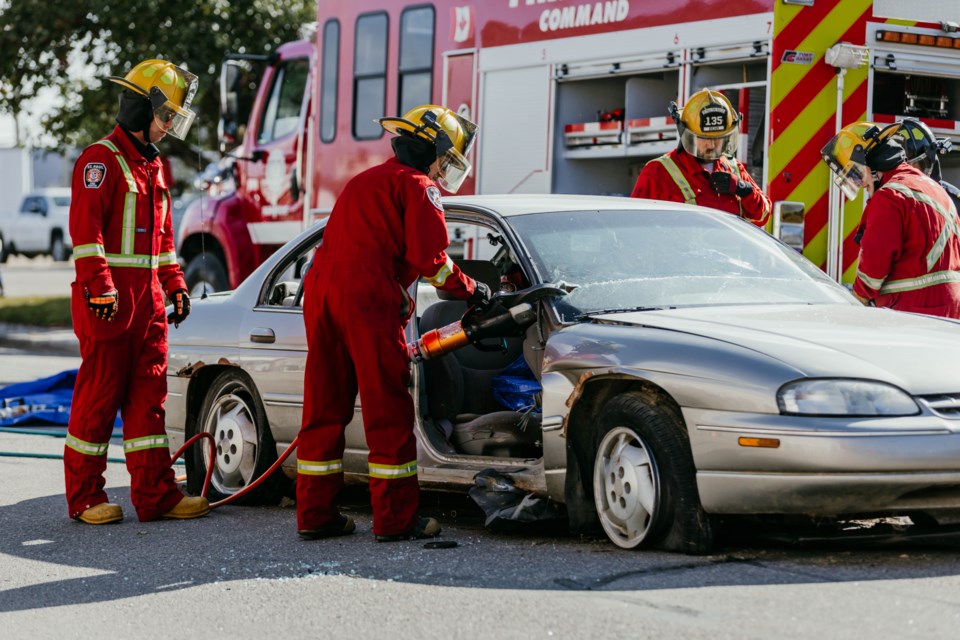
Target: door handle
{"type": "Point", "coordinates": [262, 335]}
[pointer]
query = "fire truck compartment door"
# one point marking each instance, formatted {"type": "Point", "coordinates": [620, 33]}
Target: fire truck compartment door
{"type": "Point", "coordinates": [921, 64]}
{"type": "Point", "coordinates": [515, 136]}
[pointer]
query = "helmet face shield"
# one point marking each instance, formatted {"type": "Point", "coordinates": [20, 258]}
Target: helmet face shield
{"type": "Point", "coordinates": [845, 155]}
{"type": "Point", "coordinates": [454, 169]}
{"type": "Point", "coordinates": [707, 149]}
{"type": "Point", "coordinates": [180, 120]}
{"type": "Point", "coordinates": [850, 179]}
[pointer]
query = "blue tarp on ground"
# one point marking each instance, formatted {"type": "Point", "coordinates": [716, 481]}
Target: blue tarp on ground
{"type": "Point", "coordinates": [43, 401]}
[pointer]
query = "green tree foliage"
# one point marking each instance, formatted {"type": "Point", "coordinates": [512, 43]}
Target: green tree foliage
{"type": "Point", "coordinates": [41, 41]}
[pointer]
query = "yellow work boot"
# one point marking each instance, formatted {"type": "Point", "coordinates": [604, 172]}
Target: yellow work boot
{"type": "Point", "coordinates": [103, 513]}
{"type": "Point", "coordinates": [189, 507]}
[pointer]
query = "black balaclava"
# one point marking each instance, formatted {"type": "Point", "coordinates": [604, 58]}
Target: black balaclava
{"type": "Point", "coordinates": [135, 115]}
{"type": "Point", "coordinates": [885, 156]}
{"type": "Point", "coordinates": [414, 151]}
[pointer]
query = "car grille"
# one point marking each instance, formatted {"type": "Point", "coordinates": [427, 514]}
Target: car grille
{"type": "Point", "coordinates": [945, 406]}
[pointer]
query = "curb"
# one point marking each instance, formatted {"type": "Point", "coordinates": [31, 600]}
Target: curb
{"type": "Point", "coordinates": [39, 339]}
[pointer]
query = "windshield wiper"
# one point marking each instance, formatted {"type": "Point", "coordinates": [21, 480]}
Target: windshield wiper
{"type": "Point", "coordinates": [599, 312]}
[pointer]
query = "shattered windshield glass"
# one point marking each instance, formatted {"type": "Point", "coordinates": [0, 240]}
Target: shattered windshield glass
{"type": "Point", "coordinates": [624, 260]}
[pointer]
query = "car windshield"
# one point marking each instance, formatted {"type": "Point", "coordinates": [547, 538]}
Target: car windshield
{"type": "Point", "coordinates": [61, 201]}
{"type": "Point", "coordinates": [625, 260]}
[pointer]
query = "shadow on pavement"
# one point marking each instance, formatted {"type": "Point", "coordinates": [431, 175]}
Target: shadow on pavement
{"type": "Point", "coordinates": [243, 543]}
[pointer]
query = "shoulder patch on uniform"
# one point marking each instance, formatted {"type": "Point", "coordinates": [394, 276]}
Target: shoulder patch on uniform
{"type": "Point", "coordinates": [93, 174]}
{"type": "Point", "coordinates": [434, 194]}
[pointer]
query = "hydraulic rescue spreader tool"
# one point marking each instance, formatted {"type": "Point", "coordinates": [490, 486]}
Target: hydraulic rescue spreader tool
{"type": "Point", "coordinates": [506, 314]}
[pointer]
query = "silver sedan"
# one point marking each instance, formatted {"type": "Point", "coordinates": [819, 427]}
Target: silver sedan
{"type": "Point", "coordinates": [697, 367]}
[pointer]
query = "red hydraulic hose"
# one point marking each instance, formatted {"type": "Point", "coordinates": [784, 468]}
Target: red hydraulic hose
{"type": "Point", "coordinates": [206, 482]}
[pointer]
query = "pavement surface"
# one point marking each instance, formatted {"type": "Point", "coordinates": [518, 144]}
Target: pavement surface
{"type": "Point", "coordinates": [38, 340]}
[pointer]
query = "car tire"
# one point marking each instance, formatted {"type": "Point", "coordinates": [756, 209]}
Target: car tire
{"type": "Point", "coordinates": [207, 271]}
{"type": "Point", "coordinates": [233, 414]}
{"type": "Point", "coordinates": [644, 479]}
{"type": "Point", "coordinates": [58, 248]}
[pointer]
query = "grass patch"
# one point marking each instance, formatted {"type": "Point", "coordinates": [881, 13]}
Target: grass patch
{"type": "Point", "coordinates": [41, 312]}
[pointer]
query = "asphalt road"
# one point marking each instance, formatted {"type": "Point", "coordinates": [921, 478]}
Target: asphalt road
{"type": "Point", "coordinates": [242, 572]}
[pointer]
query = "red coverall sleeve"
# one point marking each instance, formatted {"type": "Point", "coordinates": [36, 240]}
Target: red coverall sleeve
{"type": "Point", "coordinates": [756, 206]}
{"type": "Point", "coordinates": [91, 197]}
{"type": "Point", "coordinates": [425, 231]}
{"type": "Point", "coordinates": [654, 183]}
{"type": "Point", "coordinates": [881, 243]}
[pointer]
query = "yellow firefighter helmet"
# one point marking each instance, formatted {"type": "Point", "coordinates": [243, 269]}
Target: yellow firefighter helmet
{"type": "Point", "coordinates": [169, 88]}
{"type": "Point", "coordinates": [846, 154]}
{"type": "Point", "coordinates": [452, 134]}
{"type": "Point", "coordinates": [709, 126]}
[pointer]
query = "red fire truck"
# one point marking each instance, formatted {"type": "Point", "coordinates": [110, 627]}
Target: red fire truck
{"type": "Point", "coordinates": [571, 97]}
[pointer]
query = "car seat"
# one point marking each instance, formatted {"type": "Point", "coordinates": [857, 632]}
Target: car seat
{"type": "Point", "coordinates": [459, 385]}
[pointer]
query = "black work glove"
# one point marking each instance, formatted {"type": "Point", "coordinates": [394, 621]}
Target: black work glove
{"type": "Point", "coordinates": [103, 306]}
{"type": "Point", "coordinates": [181, 307]}
{"type": "Point", "coordinates": [725, 183]}
{"type": "Point", "coordinates": [480, 296]}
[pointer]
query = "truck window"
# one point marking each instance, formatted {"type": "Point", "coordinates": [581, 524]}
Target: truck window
{"type": "Point", "coordinates": [369, 75]}
{"type": "Point", "coordinates": [328, 81]}
{"type": "Point", "coordinates": [281, 117]}
{"type": "Point", "coordinates": [416, 58]}
{"type": "Point", "coordinates": [34, 205]}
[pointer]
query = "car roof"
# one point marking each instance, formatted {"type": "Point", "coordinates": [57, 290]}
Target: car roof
{"type": "Point", "coordinates": [515, 204]}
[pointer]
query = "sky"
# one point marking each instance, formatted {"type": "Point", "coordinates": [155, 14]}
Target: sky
{"type": "Point", "coordinates": [30, 132]}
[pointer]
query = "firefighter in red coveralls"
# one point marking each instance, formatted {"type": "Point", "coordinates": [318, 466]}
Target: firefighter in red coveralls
{"type": "Point", "coordinates": [702, 170]}
{"type": "Point", "coordinates": [386, 230]}
{"type": "Point", "coordinates": [910, 246]}
{"type": "Point", "coordinates": [124, 256]}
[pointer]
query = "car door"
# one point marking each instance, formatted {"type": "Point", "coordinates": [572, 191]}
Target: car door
{"type": "Point", "coordinates": [276, 346]}
{"type": "Point", "coordinates": [474, 238]}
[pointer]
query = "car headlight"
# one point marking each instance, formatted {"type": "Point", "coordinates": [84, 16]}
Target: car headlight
{"type": "Point", "coordinates": [826, 397]}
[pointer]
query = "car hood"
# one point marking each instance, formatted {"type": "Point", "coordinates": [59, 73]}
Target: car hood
{"type": "Point", "coordinates": [920, 354]}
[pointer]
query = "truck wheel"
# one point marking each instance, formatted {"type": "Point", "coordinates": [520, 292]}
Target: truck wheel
{"type": "Point", "coordinates": [233, 414]}
{"type": "Point", "coordinates": [58, 248]}
{"type": "Point", "coordinates": [206, 275]}
{"type": "Point", "coordinates": [644, 479]}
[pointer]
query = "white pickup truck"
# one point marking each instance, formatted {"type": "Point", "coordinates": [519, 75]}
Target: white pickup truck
{"type": "Point", "coordinates": [38, 226]}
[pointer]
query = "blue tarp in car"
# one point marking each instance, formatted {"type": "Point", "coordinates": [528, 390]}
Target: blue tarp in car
{"type": "Point", "coordinates": [515, 387]}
